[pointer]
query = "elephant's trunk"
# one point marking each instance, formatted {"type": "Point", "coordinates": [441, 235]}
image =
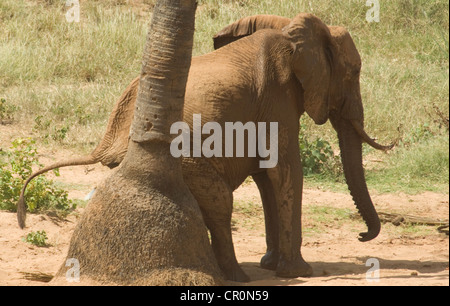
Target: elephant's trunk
{"type": "Point", "coordinates": [350, 144]}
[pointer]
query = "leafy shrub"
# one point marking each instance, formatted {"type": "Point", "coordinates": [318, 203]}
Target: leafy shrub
{"type": "Point", "coordinates": [38, 238]}
{"type": "Point", "coordinates": [318, 156]}
{"type": "Point", "coordinates": [420, 133]}
{"type": "Point", "coordinates": [42, 194]}
{"type": "Point", "coordinates": [47, 130]}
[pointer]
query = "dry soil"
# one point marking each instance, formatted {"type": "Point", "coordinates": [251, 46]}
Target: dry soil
{"type": "Point", "coordinates": [406, 255]}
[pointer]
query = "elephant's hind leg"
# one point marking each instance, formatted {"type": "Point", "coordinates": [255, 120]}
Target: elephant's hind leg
{"type": "Point", "coordinates": [215, 199]}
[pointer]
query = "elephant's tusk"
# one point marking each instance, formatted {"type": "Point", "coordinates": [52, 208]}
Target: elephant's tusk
{"type": "Point", "coordinates": [360, 130]}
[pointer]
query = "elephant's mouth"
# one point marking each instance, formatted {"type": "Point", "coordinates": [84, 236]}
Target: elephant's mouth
{"type": "Point", "coordinates": [360, 130]}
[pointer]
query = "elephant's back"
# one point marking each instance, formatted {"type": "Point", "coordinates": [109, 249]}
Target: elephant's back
{"type": "Point", "coordinates": [219, 90]}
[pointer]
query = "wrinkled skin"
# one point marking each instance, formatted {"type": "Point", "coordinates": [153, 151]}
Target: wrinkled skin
{"type": "Point", "coordinates": [269, 69]}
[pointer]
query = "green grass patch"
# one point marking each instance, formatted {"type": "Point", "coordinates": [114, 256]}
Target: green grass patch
{"type": "Point", "coordinates": [320, 219]}
{"type": "Point", "coordinates": [247, 214]}
{"type": "Point", "coordinates": [423, 166]}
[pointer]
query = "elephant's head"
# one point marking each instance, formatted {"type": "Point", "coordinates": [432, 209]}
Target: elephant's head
{"type": "Point", "coordinates": [327, 65]}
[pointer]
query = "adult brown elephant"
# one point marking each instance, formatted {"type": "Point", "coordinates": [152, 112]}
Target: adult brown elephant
{"type": "Point", "coordinates": [273, 75]}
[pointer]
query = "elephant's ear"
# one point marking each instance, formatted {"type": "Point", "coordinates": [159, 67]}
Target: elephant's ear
{"type": "Point", "coordinates": [352, 109]}
{"type": "Point", "coordinates": [314, 62]}
{"type": "Point", "coordinates": [247, 26]}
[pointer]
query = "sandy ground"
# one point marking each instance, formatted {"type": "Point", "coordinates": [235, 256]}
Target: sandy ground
{"type": "Point", "coordinates": [405, 257]}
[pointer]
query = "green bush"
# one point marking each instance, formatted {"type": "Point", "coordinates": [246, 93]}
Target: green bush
{"type": "Point", "coordinates": [42, 194]}
{"type": "Point", "coordinates": [318, 156]}
{"type": "Point", "coordinates": [38, 238]}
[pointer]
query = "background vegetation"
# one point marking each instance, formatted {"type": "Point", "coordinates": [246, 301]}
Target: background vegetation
{"type": "Point", "coordinates": [59, 80]}
{"type": "Point", "coordinates": [42, 194]}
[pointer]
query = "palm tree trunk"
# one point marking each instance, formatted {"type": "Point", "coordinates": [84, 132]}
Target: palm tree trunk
{"type": "Point", "coordinates": [143, 226]}
{"type": "Point", "coordinates": [166, 63]}
{"type": "Point", "coordinates": [162, 86]}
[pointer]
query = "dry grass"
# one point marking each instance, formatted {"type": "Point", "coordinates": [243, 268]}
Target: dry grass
{"type": "Point", "coordinates": [70, 74]}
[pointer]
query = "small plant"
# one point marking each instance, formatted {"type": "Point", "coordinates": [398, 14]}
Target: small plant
{"type": "Point", "coordinates": [45, 127]}
{"type": "Point", "coordinates": [420, 133]}
{"type": "Point", "coordinates": [439, 117]}
{"type": "Point", "coordinates": [38, 238]}
{"type": "Point", "coordinates": [60, 134]}
{"type": "Point", "coordinates": [317, 155]}
{"type": "Point", "coordinates": [82, 116]}
{"type": "Point", "coordinates": [6, 112]}
{"type": "Point", "coordinates": [42, 194]}
{"type": "Point", "coordinates": [40, 124]}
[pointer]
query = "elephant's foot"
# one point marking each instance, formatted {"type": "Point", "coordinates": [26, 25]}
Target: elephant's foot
{"type": "Point", "coordinates": [270, 260]}
{"type": "Point", "coordinates": [235, 274]}
{"type": "Point", "coordinates": [294, 268]}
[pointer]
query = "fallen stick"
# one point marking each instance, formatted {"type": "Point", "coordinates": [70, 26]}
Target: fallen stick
{"type": "Point", "coordinates": [398, 219]}
{"type": "Point", "coordinates": [37, 276]}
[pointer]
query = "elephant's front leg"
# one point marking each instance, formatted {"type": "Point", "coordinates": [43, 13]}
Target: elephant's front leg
{"type": "Point", "coordinates": [287, 182]}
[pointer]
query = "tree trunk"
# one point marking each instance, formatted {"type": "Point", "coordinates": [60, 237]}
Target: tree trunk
{"type": "Point", "coordinates": [143, 226]}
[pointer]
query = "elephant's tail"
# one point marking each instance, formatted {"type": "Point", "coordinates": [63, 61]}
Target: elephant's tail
{"type": "Point", "coordinates": [21, 205]}
{"type": "Point", "coordinates": [110, 151]}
